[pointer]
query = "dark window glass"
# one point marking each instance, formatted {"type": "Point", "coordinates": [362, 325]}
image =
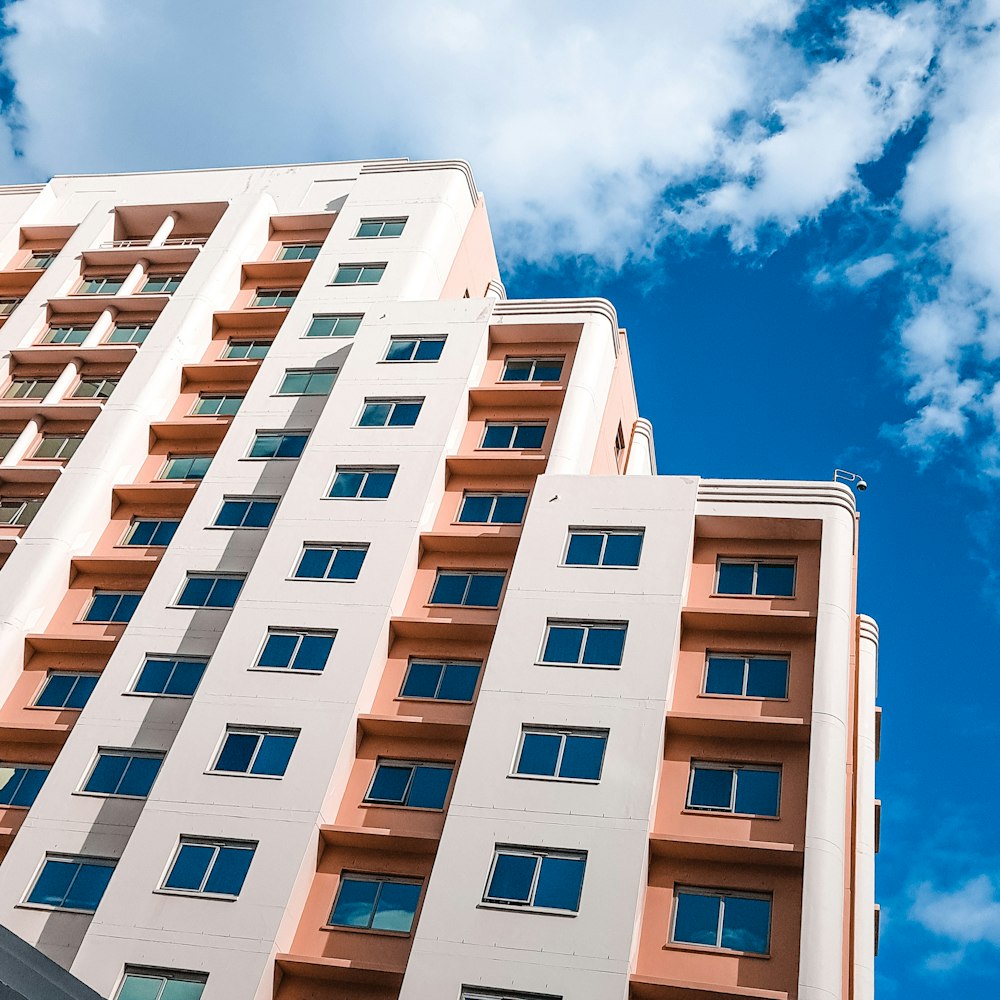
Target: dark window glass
{"type": "Point", "coordinates": [169, 677]}
{"type": "Point", "coordinates": [375, 904]}
{"type": "Point", "coordinates": [368, 484]}
{"type": "Point", "coordinates": [246, 513]}
{"type": "Point", "coordinates": [109, 606]}
{"type": "Point", "coordinates": [151, 532]}
{"type": "Point", "coordinates": [558, 884]}
{"type": "Point", "coordinates": [767, 678]}
{"type": "Point", "coordinates": [71, 884]}
{"type": "Point", "coordinates": [210, 592]}
{"type": "Point", "coordinates": [753, 676]}
{"type": "Point", "coordinates": [210, 867]}
{"type": "Point", "coordinates": [562, 754]}
{"type": "Point", "coordinates": [278, 445]}
{"type": "Point", "coordinates": [20, 784]}
{"type": "Point", "coordinates": [516, 436]}
{"type": "Point", "coordinates": [66, 691]}
{"type": "Point", "coordinates": [476, 590]}
{"type": "Point", "coordinates": [330, 563]}
{"type": "Point", "coordinates": [493, 508]}
{"type": "Point", "coordinates": [333, 326]}
{"type": "Point", "coordinates": [414, 785]}
{"type": "Point", "coordinates": [440, 681]}
{"type": "Point", "coordinates": [725, 675]}
{"type": "Point", "coordinates": [744, 926]}
{"type": "Point", "coordinates": [757, 791]}
{"type": "Point", "coordinates": [122, 773]}
{"type": "Point", "coordinates": [296, 650]}
{"type": "Point", "coordinates": [735, 578]}
{"type": "Point", "coordinates": [256, 752]}
{"type": "Point", "coordinates": [776, 579]}
{"type": "Point", "coordinates": [697, 919]}
{"type": "Point", "coordinates": [759, 579]}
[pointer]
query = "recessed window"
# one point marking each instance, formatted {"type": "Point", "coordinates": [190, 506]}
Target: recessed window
{"type": "Point", "coordinates": [160, 984]}
{"type": "Point", "coordinates": [307, 382]}
{"type": "Point", "coordinates": [619, 446]}
{"type": "Point", "coordinates": [724, 920]}
{"type": "Point", "coordinates": [161, 284]}
{"type": "Point", "coordinates": [95, 388]}
{"type": "Point", "coordinates": [20, 784]}
{"type": "Point", "coordinates": [532, 370]}
{"type": "Point", "coordinates": [289, 649]}
{"type": "Point", "coordinates": [536, 878]}
{"type": "Point", "coordinates": [112, 607]}
{"type": "Point", "coordinates": [413, 784]}
{"type": "Point", "coordinates": [468, 590]}
{"type": "Point", "coordinates": [374, 903]}
{"type": "Point", "coordinates": [246, 350]}
{"type": "Point", "coordinates": [755, 578]}
{"type": "Point", "coordinates": [276, 445]}
{"type": "Point", "coordinates": [414, 349]}
{"type": "Point", "coordinates": [478, 993]}
{"type": "Point", "coordinates": [492, 508]}
{"type": "Point", "coordinates": [372, 482]}
{"type": "Point", "coordinates": [63, 689]}
{"type": "Point", "coordinates": [593, 644]}
{"type": "Point", "coordinates": [204, 590]}
{"type": "Point", "coordinates": [299, 251]}
{"type": "Point", "coordinates": [129, 333]}
{"type": "Point", "coordinates": [126, 773]}
{"type": "Point", "coordinates": [7, 441]}
{"type": "Point", "coordinates": [210, 867]}
{"type": "Point", "coordinates": [246, 512]}
{"type": "Point", "coordinates": [359, 274]}
{"type": "Point", "coordinates": [221, 405]}
{"type": "Point", "coordinates": [440, 680]}
{"type": "Point", "coordinates": [390, 412]}
{"type": "Point", "coordinates": [263, 752]}
{"type": "Point", "coordinates": [612, 548]}
{"type": "Point", "coordinates": [18, 512]}
{"type": "Point", "coordinates": [29, 388]}
{"type": "Point", "coordinates": [58, 446]}
{"type": "Point", "coordinates": [68, 882]}
{"type": "Point", "coordinates": [372, 228]}
{"type": "Point", "coordinates": [8, 305]}
{"type": "Point", "coordinates": [66, 334]}
{"type": "Point", "coordinates": [186, 467]}
{"type": "Point", "coordinates": [39, 260]}
{"type": "Point", "coordinates": [101, 286]}
{"type": "Point", "coordinates": [273, 298]}
{"type": "Point", "coordinates": [149, 531]}
{"type": "Point", "coordinates": [330, 562]}
{"type": "Point", "coordinates": [334, 325]}
{"type": "Point", "coordinates": [734, 788]}
{"type": "Point", "coordinates": [747, 676]}
{"type": "Point", "coordinates": [175, 677]}
{"type": "Point", "coordinates": [570, 754]}
{"type": "Point", "coordinates": [528, 437]}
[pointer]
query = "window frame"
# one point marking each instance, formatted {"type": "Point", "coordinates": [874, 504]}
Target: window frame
{"type": "Point", "coordinates": [734, 767]}
{"type": "Point", "coordinates": [50, 328]}
{"type": "Point", "coordinates": [136, 328]}
{"type": "Point", "coordinates": [250, 343]}
{"type": "Point", "coordinates": [32, 381]}
{"type": "Point", "coordinates": [165, 276]}
{"type": "Point", "coordinates": [104, 279]}
{"type": "Point", "coordinates": [333, 547]}
{"type": "Point", "coordinates": [30, 264]}
{"type": "Point", "coordinates": [76, 675]}
{"type": "Point", "coordinates": [128, 752]}
{"type": "Point", "coordinates": [25, 503]}
{"type": "Point", "coordinates": [300, 634]}
{"type": "Point", "coordinates": [471, 574]}
{"type": "Point", "coordinates": [333, 335]}
{"type": "Point", "coordinates": [65, 438]}
{"type": "Point", "coordinates": [215, 576]}
{"type": "Point", "coordinates": [80, 860]}
{"type": "Point", "coordinates": [746, 658]}
{"type": "Point", "coordinates": [136, 521]}
{"type": "Point", "coordinates": [606, 533]}
{"type": "Point", "coordinates": [722, 895]}
{"type": "Point", "coordinates": [591, 732]}
{"type": "Point", "coordinates": [416, 339]}
{"type": "Point", "coordinates": [488, 993]}
{"type": "Point", "coordinates": [260, 732]}
{"type": "Point", "coordinates": [393, 402]}
{"type": "Point", "coordinates": [585, 624]}
{"type": "Point", "coordinates": [15, 766]}
{"type": "Point", "coordinates": [8, 303]}
{"type": "Point", "coordinates": [309, 374]}
{"type": "Point", "coordinates": [172, 457]}
{"type": "Point", "coordinates": [540, 854]}
{"type": "Point", "coordinates": [516, 425]}
{"type": "Point", "coordinates": [365, 471]}
{"type": "Point", "coordinates": [380, 878]}
{"type": "Point", "coordinates": [439, 765]}
{"type": "Point", "coordinates": [173, 658]}
{"type": "Point", "coordinates": [494, 497]}
{"type": "Point", "coordinates": [372, 265]}
{"type": "Point", "coordinates": [382, 222]}
{"type": "Point", "coordinates": [101, 381]}
{"type": "Point", "coordinates": [281, 434]}
{"type": "Point", "coordinates": [444, 663]}
{"type": "Point", "coordinates": [298, 244]}
{"type": "Point", "coordinates": [222, 397]}
{"type": "Point", "coordinates": [277, 293]}
{"type": "Point", "coordinates": [156, 972]}
{"type": "Point", "coordinates": [121, 594]}
{"type": "Point", "coordinates": [756, 562]}
{"type": "Point", "coordinates": [249, 501]}
{"type": "Point", "coordinates": [535, 360]}
{"type": "Point", "coordinates": [218, 843]}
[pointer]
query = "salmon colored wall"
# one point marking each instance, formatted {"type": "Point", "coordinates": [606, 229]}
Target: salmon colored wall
{"type": "Point", "coordinates": [622, 408]}
{"type": "Point", "coordinates": [527, 348]}
{"type": "Point", "coordinates": [423, 584]}
{"type": "Point", "coordinates": [475, 264]}
{"type": "Point", "coordinates": [457, 485]}
{"type": "Point", "coordinates": [299, 988]}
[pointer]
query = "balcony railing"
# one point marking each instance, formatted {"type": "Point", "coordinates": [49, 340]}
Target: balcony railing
{"type": "Point", "coordinates": [184, 241]}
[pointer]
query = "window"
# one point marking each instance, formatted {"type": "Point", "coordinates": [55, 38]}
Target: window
{"type": "Point", "coordinates": [440, 680]}
{"type": "Point", "coordinates": [8, 305]}
{"type": "Point", "coordinates": [245, 350]}
{"type": "Point", "coordinates": [753, 578]}
{"type": "Point", "coordinates": [210, 867]}
{"type": "Point", "coordinates": [113, 607]}
{"type": "Point", "coordinates": [307, 382]}
{"type": "Point", "coordinates": [18, 512]}
{"type": "Point", "coordinates": [413, 784]}
{"type": "Point", "coordinates": [359, 274]}
{"type": "Point", "coordinates": [330, 562]}
{"type": "Point", "coordinates": [66, 334]}
{"type": "Point", "coordinates": [58, 446]}
{"type": "Point", "coordinates": [65, 690]}
{"type": "Point", "coordinates": [619, 446]}
{"type": "Point", "coordinates": [469, 590]}
{"type": "Point", "coordinates": [263, 752]}
{"type": "Point", "coordinates": [532, 370]}
{"type": "Point", "coordinates": [414, 348]}
{"type": "Point", "coordinates": [129, 333]}
{"type": "Point", "coordinates": [28, 388]}
{"type": "Point", "coordinates": [95, 388]}
{"type": "Point", "coordinates": [39, 260]}
{"type": "Point", "coordinates": [536, 878]}
{"type": "Point", "coordinates": [299, 251]}
{"type": "Point", "coordinates": [67, 882]}
{"type": "Point", "coordinates": [246, 512]}
{"type": "Point", "coordinates": [375, 903]}
{"type": "Point", "coordinates": [588, 547]}
{"type": "Point", "coordinates": [101, 286]}
{"type": "Point", "coordinates": [480, 993]}
{"type": "Point", "coordinates": [216, 406]}
{"type": "Point", "coordinates": [20, 784]}
{"type": "Point", "coordinates": [492, 508]}
{"type": "Point", "coordinates": [127, 773]}
{"type": "Point", "coordinates": [734, 788]}
{"type": "Point", "coordinates": [161, 284]}
{"type": "Point", "coordinates": [362, 483]}
{"type": "Point", "coordinates": [273, 444]}
{"type": "Point", "coordinates": [747, 676]}
{"type": "Point", "coordinates": [718, 919]}
{"type": "Point", "coordinates": [270, 298]}
{"type": "Point", "coordinates": [588, 644]}
{"type": "Point", "coordinates": [286, 649]}
{"type": "Point", "coordinates": [334, 325]}
{"type": "Point", "coordinates": [145, 531]}
{"type": "Point", "coordinates": [511, 436]}
{"type": "Point", "coordinates": [390, 412]}
{"type": "Point", "coordinates": [186, 467]}
{"type": "Point", "coordinates": [570, 754]}
{"type": "Point", "coordinates": [160, 984]}
{"type": "Point", "coordinates": [7, 442]}
{"type": "Point", "coordinates": [371, 228]}
{"type": "Point", "coordinates": [203, 590]}
{"type": "Point", "coordinates": [173, 677]}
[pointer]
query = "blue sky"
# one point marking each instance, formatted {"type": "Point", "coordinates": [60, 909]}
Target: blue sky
{"type": "Point", "coordinates": [795, 208]}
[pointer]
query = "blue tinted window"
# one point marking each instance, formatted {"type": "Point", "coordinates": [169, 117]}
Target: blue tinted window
{"type": "Point", "coordinates": [20, 784]}
{"type": "Point", "coordinates": [604, 548]}
{"type": "Point", "coordinates": [512, 877]}
{"type": "Point", "coordinates": [749, 676]}
{"type": "Point", "coordinates": [757, 791]}
{"type": "Point", "coordinates": [390, 413]}
{"type": "Point", "coordinates": [278, 445]}
{"type": "Point", "coordinates": [210, 867]}
{"type": "Point", "coordinates": [113, 607]}
{"type": "Point", "coordinates": [775, 580]}
{"type": "Point", "coordinates": [296, 650]}
{"type": "Point", "coordinates": [767, 677]}
{"type": "Point", "coordinates": [66, 691]}
{"type": "Point", "coordinates": [122, 773]}
{"type": "Point", "coordinates": [368, 484]}
{"type": "Point", "coordinates": [744, 924]}
{"type": "Point", "coordinates": [375, 904]}
{"type": "Point", "coordinates": [696, 920]}
{"type": "Point", "coordinates": [725, 675]}
{"type": "Point", "coordinates": [493, 508]}
{"type": "Point", "coordinates": [532, 370]}
{"type": "Point", "coordinates": [478, 590]}
{"type": "Point", "coordinates": [414, 349]}
{"type": "Point", "coordinates": [330, 563]}
{"type": "Point", "coordinates": [499, 435]}
{"type": "Point", "coordinates": [259, 752]}
{"type": "Point", "coordinates": [145, 532]}
{"type": "Point", "coordinates": [441, 681]}
{"type": "Point", "coordinates": [547, 881]}
{"type": "Point", "coordinates": [168, 676]}
{"type": "Point", "coordinates": [560, 883]}
{"type": "Point", "coordinates": [246, 513]}
{"type": "Point", "coordinates": [735, 578]}
{"type": "Point", "coordinates": [415, 785]}
{"type": "Point", "coordinates": [592, 645]}
{"type": "Point", "coordinates": [210, 592]}
{"type": "Point", "coordinates": [711, 788]}
{"type": "Point", "coordinates": [759, 579]}
{"type": "Point", "coordinates": [334, 326]}
{"type": "Point", "coordinates": [562, 754]}
{"type": "Point", "coordinates": [71, 883]}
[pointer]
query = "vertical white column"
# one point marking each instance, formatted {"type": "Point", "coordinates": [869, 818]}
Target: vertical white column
{"type": "Point", "coordinates": [20, 446]}
{"type": "Point", "coordinates": [66, 378]}
{"type": "Point", "coordinates": [166, 228]}
{"type": "Point", "coordinates": [641, 454]}
{"type": "Point", "coordinates": [101, 328]}
{"type": "Point", "coordinates": [131, 283]}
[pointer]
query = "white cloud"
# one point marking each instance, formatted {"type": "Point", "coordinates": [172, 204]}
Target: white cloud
{"type": "Point", "coordinates": [867, 270]}
{"type": "Point", "coordinates": [964, 916]}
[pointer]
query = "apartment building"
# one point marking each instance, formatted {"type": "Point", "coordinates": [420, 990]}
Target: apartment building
{"type": "Point", "coordinates": [352, 647]}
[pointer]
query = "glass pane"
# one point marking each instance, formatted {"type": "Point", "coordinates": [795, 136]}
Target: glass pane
{"type": "Point", "coordinates": [711, 788]}
{"type": "Point", "coordinates": [530, 436]}
{"type": "Point", "coordinates": [776, 579]}
{"type": "Point", "coordinates": [512, 876]}
{"type": "Point", "coordinates": [604, 646]}
{"type": "Point", "coordinates": [185, 678]}
{"type": "Point", "coordinates": [31, 785]}
{"type": "Point", "coordinates": [313, 652]}
{"type": "Point", "coordinates": [389, 784]}
{"type": "Point", "coordinates": [126, 607]}
{"type": "Point", "coordinates": [264, 446]}
{"type": "Point", "coordinates": [347, 484]}
{"type": "Point", "coordinates": [397, 903]}
{"type": "Point", "coordinates": [56, 691]}
{"type": "Point", "coordinates": [459, 682]}
{"type": "Point", "coordinates": [230, 870]}
{"type": "Point", "coordinates": [165, 531]}
{"type": "Point", "coordinates": [584, 550]}
{"type": "Point", "coordinates": [82, 689]}
{"type": "Point", "coordinates": [517, 370]}
{"type": "Point", "coordinates": [140, 988]}
{"type": "Point", "coordinates": [393, 228]}
{"type": "Point", "coordinates": [378, 485]}
{"type": "Point", "coordinates": [371, 275]}
{"type": "Point", "coordinates": [53, 883]}
{"type": "Point", "coordinates": [346, 564]}
{"type": "Point", "coordinates": [278, 650]}
{"type": "Point", "coordinates": [229, 405]}
{"type": "Point", "coordinates": [735, 578]}
{"type": "Point", "coordinates": [181, 989]}
{"type": "Point", "coordinates": [237, 752]}
{"type": "Point", "coordinates": [724, 676]}
{"type": "Point", "coordinates": [108, 772]}
{"type": "Point", "coordinates": [375, 415]}
{"type": "Point", "coordinates": [260, 514]}
{"type": "Point", "coordinates": [622, 550]}
{"type": "Point", "coordinates": [548, 371]}
{"type": "Point", "coordinates": [484, 591]}
{"type": "Point", "coordinates": [560, 883]}
{"type": "Point", "coordinates": [509, 509]}
{"type": "Point", "coordinates": [422, 680]}
{"type": "Point", "coordinates": [196, 591]}
{"type": "Point", "coordinates": [757, 792]}
{"type": "Point", "coordinates": [400, 350]}
{"type": "Point", "coordinates": [563, 644]}
{"type": "Point", "coordinates": [498, 436]}
{"type": "Point", "coordinates": [275, 751]}
{"type": "Point", "coordinates": [767, 678]}
{"type": "Point", "coordinates": [294, 383]}
{"type": "Point", "coordinates": [582, 757]}
{"type": "Point", "coordinates": [449, 588]}
{"type": "Point", "coordinates": [476, 510]}
{"type": "Point", "coordinates": [370, 229]}
{"type": "Point", "coordinates": [152, 678]}
{"type": "Point", "coordinates": [539, 753]}
{"type": "Point", "coordinates": [139, 776]}
{"type": "Point", "coordinates": [232, 513]}
{"type": "Point", "coordinates": [429, 788]}
{"type": "Point", "coordinates": [355, 903]}
{"type": "Point", "coordinates": [291, 446]}
{"type": "Point", "coordinates": [745, 924]}
{"type": "Point", "coordinates": [142, 532]}
{"type": "Point", "coordinates": [429, 350]}
{"type": "Point", "coordinates": [404, 415]}
{"type": "Point", "coordinates": [102, 608]}
{"type": "Point", "coordinates": [697, 919]}
{"type": "Point", "coordinates": [224, 592]}
{"type": "Point", "coordinates": [313, 564]}
{"type": "Point", "coordinates": [320, 383]}
{"type": "Point", "coordinates": [347, 275]}
{"type": "Point", "coordinates": [88, 887]}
